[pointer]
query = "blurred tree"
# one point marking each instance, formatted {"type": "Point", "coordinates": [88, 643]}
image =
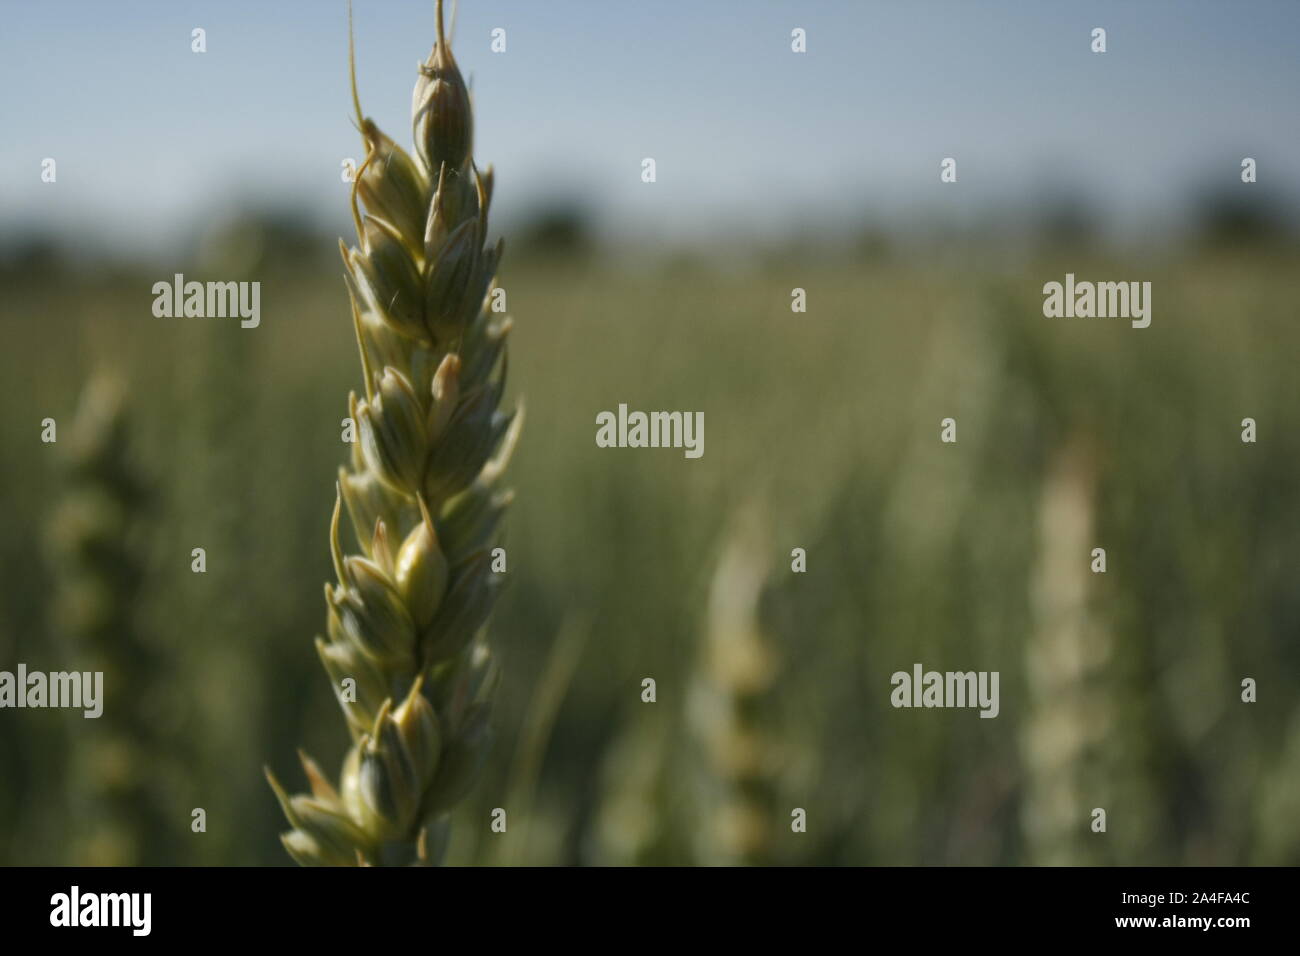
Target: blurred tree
{"type": "Point", "coordinates": [1241, 216]}
{"type": "Point", "coordinates": [556, 230]}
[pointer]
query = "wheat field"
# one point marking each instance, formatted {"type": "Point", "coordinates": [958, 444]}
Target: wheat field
{"type": "Point", "coordinates": [916, 551]}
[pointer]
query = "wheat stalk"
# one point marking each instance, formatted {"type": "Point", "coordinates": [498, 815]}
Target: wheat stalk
{"type": "Point", "coordinates": [405, 616]}
{"type": "Point", "coordinates": [634, 823]}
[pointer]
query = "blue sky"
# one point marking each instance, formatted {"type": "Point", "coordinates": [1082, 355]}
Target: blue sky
{"type": "Point", "coordinates": [152, 139]}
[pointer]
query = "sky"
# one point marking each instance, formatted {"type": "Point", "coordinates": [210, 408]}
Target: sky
{"type": "Point", "coordinates": [153, 140]}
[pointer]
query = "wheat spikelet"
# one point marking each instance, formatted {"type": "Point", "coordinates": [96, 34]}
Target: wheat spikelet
{"type": "Point", "coordinates": [422, 494]}
{"type": "Point", "coordinates": [98, 567]}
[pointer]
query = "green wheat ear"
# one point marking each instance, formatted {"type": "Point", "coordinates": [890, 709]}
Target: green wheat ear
{"type": "Point", "coordinates": [730, 698]}
{"type": "Point", "coordinates": [403, 645]}
{"type": "Point", "coordinates": [96, 552]}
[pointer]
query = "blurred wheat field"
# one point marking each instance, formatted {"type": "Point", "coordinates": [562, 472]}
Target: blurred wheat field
{"type": "Point", "coordinates": [917, 550]}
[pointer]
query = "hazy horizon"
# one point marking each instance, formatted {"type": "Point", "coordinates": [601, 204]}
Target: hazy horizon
{"type": "Point", "coordinates": [848, 135]}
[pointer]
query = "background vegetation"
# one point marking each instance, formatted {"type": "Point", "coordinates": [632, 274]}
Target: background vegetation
{"type": "Point", "coordinates": [824, 425]}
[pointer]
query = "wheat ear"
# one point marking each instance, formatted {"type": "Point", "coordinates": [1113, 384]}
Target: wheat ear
{"type": "Point", "coordinates": [732, 690]}
{"type": "Point", "coordinates": [403, 645]}
{"type": "Point", "coordinates": [95, 550]}
{"type": "Point", "coordinates": [1068, 715]}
